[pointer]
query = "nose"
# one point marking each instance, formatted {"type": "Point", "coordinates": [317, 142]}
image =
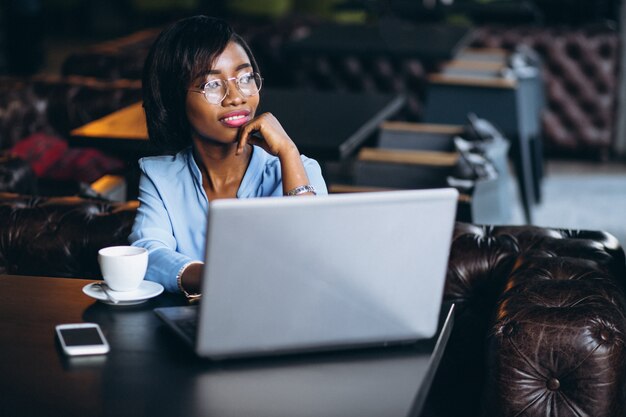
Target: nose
{"type": "Point", "coordinates": [233, 97]}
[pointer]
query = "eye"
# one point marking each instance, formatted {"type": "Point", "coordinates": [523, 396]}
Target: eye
{"type": "Point", "coordinates": [246, 78]}
{"type": "Point", "coordinates": [213, 85]}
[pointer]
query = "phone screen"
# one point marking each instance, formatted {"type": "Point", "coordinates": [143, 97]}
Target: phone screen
{"type": "Point", "coordinates": [82, 336]}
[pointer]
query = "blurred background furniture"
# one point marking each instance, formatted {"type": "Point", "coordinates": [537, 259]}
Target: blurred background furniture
{"type": "Point", "coordinates": [573, 116]}
{"type": "Point", "coordinates": [482, 170]}
{"type": "Point", "coordinates": [577, 40]}
{"type": "Point", "coordinates": [36, 116]}
{"type": "Point", "coordinates": [395, 37]}
{"type": "Point", "coordinates": [17, 176]}
{"type": "Point", "coordinates": [111, 60]}
{"type": "Point", "coordinates": [508, 97]}
{"type": "Point", "coordinates": [580, 69]}
{"type": "Point", "coordinates": [540, 323]}
{"type": "Point", "coordinates": [56, 104]}
{"type": "Point", "coordinates": [471, 158]}
{"type": "Point", "coordinates": [123, 133]}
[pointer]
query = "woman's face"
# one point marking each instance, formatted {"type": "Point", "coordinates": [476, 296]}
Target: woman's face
{"type": "Point", "coordinates": [221, 122]}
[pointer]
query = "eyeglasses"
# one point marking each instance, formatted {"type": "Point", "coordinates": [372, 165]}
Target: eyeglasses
{"type": "Point", "coordinates": [215, 91]}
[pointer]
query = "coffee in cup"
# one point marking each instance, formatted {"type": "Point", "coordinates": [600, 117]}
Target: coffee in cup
{"type": "Point", "coordinates": [123, 267]}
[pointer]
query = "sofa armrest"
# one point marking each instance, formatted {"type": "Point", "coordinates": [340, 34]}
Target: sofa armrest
{"type": "Point", "coordinates": [59, 236]}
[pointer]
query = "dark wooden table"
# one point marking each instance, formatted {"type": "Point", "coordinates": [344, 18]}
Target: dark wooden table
{"type": "Point", "coordinates": [324, 125]}
{"type": "Point", "coordinates": [149, 372]}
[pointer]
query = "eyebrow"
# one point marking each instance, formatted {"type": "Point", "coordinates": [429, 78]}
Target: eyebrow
{"type": "Point", "coordinates": [239, 67]}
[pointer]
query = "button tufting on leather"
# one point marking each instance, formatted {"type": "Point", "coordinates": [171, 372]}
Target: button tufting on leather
{"type": "Point", "coordinates": [553, 384]}
{"type": "Point", "coordinates": [605, 335]}
{"type": "Point", "coordinates": [508, 329]}
{"type": "Point", "coordinates": [580, 70]}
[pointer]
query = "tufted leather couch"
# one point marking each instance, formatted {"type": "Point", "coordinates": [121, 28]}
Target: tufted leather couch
{"type": "Point", "coordinates": [541, 318]}
{"type": "Point", "coordinates": [581, 72]}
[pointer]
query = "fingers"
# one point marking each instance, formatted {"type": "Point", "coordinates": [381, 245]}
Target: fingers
{"type": "Point", "coordinates": [264, 131]}
{"type": "Point", "coordinates": [242, 141]}
{"type": "Point", "coordinates": [245, 133]}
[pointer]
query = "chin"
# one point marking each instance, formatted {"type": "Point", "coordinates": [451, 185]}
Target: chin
{"type": "Point", "coordinates": [222, 139]}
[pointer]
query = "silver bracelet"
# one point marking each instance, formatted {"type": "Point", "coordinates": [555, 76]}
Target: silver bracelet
{"type": "Point", "coordinates": [301, 190]}
{"type": "Point", "coordinates": [179, 282]}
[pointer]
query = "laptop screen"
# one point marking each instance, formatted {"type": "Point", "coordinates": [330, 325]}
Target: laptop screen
{"type": "Point", "coordinates": [326, 272]}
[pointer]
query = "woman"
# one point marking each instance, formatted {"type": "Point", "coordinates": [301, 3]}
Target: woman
{"type": "Point", "coordinates": [200, 90]}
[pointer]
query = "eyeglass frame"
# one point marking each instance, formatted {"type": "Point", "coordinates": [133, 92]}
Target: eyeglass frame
{"type": "Point", "coordinates": [226, 81]}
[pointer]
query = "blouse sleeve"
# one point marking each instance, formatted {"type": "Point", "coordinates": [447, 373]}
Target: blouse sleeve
{"type": "Point", "coordinates": [314, 172]}
{"type": "Point", "coordinates": [153, 230]}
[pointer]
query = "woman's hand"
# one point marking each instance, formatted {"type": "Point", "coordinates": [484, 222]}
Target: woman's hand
{"type": "Point", "coordinates": [266, 132]}
{"type": "Point", "coordinates": [274, 140]}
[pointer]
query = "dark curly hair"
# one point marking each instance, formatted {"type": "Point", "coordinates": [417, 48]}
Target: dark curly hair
{"type": "Point", "coordinates": [182, 52]}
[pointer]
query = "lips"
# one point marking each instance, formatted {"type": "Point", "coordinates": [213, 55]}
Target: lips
{"type": "Point", "coordinates": [236, 118]}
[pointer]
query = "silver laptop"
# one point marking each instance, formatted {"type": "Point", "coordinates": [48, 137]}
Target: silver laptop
{"type": "Point", "coordinates": [287, 275]}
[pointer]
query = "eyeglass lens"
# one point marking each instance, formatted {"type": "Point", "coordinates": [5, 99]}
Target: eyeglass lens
{"type": "Point", "coordinates": [248, 84]}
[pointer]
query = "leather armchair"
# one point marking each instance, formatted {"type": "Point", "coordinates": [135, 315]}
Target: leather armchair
{"type": "Point", "coordinates": [540, 327]}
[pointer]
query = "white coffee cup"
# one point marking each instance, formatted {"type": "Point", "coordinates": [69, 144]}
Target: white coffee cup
{"type": "Point", "coordinates": [123, 267]}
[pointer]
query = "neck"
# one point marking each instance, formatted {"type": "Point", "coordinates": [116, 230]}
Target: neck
{"type": "Point", "coordinates": [222, 170]}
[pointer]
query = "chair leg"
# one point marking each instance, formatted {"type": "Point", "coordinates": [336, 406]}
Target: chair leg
{"type": "Point", "coordinates": [537, 159]}
{"type": "Point", "coordinates": [524, 173]}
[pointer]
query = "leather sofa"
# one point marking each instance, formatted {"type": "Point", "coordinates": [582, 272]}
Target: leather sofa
{"type": "Point", "coordinates": [540, 326]}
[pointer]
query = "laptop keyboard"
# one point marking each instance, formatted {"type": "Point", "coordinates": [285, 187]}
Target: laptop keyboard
{"type": "Point", "coordinates": [188, 326]}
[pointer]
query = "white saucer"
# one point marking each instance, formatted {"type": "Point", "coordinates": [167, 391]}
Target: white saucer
{"type": "Point", "coordinates": [145, 291]}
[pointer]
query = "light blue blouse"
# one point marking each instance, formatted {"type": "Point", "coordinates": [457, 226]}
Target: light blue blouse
{"type": "Point", "coordinates": [172, 216]}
